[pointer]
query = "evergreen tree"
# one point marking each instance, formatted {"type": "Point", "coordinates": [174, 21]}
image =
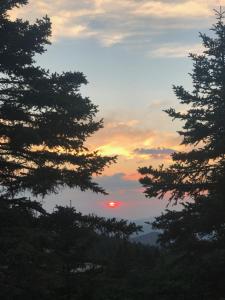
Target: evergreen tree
{"type": "Point", "coordinates": [193, 238]}
{"type": "Point", "coordinates": [201, 170]}
{"type": "Point", "coordinates": [44, 120]}
{"type": "Point", "coordinates": [67, 255]}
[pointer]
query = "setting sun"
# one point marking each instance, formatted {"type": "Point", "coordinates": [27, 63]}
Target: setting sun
{"type": "Point", "coordinates": [113, 204]}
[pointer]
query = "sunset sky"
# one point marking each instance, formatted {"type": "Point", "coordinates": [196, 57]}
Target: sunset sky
{"type": "Point", "coordinates": [131, 51]}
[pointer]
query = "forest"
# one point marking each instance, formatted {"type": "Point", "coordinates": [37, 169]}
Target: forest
{"type": "Point", "coordinates": [64, 254]}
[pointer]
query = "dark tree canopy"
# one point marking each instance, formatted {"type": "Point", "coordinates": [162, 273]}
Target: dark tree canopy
{"type": "Point", "coordinates": [44, 119]}
{"type": "Point", "coordinates": [201, 170]}
{"type": "Point", "coordinates": [192, 239]}
{"type": "Point", "coordinates": [67, 255]}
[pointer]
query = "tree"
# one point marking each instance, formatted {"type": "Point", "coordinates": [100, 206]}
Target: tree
{"type": "Point", "coordinates": [201, 170]}
{"type": "Point", "coordinates": [44, 120]}
{"type": "Point", "coordinates": [67, 255]}
{"type": "Point", "coordinates": [193, 238]}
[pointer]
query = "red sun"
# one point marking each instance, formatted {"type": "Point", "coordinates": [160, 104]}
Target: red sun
{"type": "Point", "coordinates": [113, 204]}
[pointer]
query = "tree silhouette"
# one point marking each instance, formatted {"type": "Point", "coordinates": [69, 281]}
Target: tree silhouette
{"type": "Point", "coordinates": [201, 170]}
{"type": "Point", "coordinates": [193, 238]}
{"type": "Point", "coordinates": [66, 255]}
{"type": "Point", "coordinates": [44, 119]}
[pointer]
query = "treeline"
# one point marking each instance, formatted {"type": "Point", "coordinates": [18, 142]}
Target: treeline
{"type": "Point", "coordinates": [66, 255]}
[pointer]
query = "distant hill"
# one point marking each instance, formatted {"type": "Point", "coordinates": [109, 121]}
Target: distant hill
{"type": "Point", "coordinates": [147, 239]}
{"type": "Point", "coordinates": [146, 228]}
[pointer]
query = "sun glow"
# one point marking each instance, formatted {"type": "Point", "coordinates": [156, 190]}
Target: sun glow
{"type": "Point", "coordinates": [114, 150]}
{"type": "Point", "coordinates": [113, 204]}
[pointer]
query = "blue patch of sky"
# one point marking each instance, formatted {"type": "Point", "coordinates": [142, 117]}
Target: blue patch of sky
{"type": "Point", "coordinates": [117, 76]}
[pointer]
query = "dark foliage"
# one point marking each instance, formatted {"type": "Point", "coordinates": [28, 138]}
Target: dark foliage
{"type": "Point", "coordinates": [193, 239]}
{"type": "Point", "coordinates": [200, 170]}
{"type": "Point", "coordinates": [44, 120]}
{"type": "Point", "coordinates": [65, 255]}
{"type": "Point", "coordinates": [44, 123]}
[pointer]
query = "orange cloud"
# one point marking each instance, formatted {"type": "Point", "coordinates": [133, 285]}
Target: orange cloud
{"type": "Point", "coordinates": [132, 176]}
{"type": "Point", "coordinates": [122, 138]}
{"type": "Point", "coordinates": [110, 149]}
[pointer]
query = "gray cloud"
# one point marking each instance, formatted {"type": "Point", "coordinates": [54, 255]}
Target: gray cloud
{"type": "Point", "coordinates": [154, 151]}
{"type": "Point", "coordinates": [117, 182]}
{"type": "Point", "coordinates": [128, 192]}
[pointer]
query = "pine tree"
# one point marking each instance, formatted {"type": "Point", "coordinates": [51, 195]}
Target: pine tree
{"type": "Point", "coordinates": [193, 238]}
{"type": "Point", "coordinates": [44, 120]}
{"type": "Point", "coordinates": [201, 170]}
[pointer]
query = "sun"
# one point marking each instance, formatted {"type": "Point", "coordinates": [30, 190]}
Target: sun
{"type": "Point", "coordinates": [113, 204]}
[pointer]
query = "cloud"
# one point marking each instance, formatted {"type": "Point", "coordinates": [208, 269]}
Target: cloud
{"type": "Point", "coordinates": [173, 9]}
{"type": "Point", "coordinates": [114, 22]}
{"type": "Point", "coordinates": [121, 138]}
{"type": "Point", "coordinates": [165, 151]}
{"type": "Point", "coordinates": [175, 50]}
{"type": "Point", "coordinates": [156, 154]}
{"type": "Point", "coordinates": [118, 181]}
{"type": "Point", "coordinates": [109, 40]}
{"type": "Point", "coordinates": [128, 192]}
{"type": "Point", "coordinates": [130, 132]}
{"type": "Point", "coordinates": [118, 124]}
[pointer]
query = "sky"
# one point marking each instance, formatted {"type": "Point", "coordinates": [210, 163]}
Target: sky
{"type": "Point", "coordinates": [132, 52]}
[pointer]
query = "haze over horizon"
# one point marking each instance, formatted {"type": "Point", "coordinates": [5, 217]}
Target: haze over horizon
{"type": "Point", "coordinates": [132, 52]}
